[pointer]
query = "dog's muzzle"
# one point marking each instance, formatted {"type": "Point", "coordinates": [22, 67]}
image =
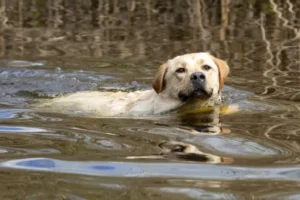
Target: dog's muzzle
{"type": "Point", "coordinates": [198, 81]}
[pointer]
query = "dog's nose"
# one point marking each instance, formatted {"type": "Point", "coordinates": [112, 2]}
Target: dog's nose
{"type": "Point", "coordinates": [197, 76]}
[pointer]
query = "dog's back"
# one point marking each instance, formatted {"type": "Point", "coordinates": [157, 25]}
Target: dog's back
{"type": "Point", "coordinates": [98, 103]}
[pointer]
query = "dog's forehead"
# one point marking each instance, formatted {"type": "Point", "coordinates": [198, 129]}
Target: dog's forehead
{"type": "Point", "coordinates": [200, 58]}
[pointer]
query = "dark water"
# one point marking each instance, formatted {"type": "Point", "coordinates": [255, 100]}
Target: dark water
{"type": "Point", "coordinates": [58, 47]}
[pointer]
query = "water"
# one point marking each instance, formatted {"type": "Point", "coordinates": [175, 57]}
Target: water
{"type": "Point", "coordinates": [45, 53]}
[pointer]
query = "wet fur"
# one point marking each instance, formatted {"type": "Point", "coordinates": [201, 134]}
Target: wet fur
{"type": "Point", "coordinates": [169, 89]}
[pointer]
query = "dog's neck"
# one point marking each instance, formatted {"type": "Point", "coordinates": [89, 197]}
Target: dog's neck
{"type": "Point", "coordinates": [152, 103]}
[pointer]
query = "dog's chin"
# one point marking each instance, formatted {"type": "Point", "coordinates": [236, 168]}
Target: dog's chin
{"type": "Point", "coordinates": [200, 94]}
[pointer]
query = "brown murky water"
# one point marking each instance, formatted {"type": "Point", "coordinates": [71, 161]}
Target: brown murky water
{"type": "Point", "coordinates": [50, 48]}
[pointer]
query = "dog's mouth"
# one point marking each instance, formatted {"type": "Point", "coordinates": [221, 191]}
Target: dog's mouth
{"type": "Point", "coordinates": [195, 94]}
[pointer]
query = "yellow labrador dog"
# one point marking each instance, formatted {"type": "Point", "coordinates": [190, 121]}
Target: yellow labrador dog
{"type": "Point", "coordinates": [184, 79]}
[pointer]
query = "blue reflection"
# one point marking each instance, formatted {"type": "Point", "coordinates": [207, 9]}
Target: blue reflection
{"type": "Point", "coordinates": [103, 167]}
{"type": "Point", "coordinates": [175, 170]}
{"type": "Point", "coordinates": [37, 163]}
{"type": "Point", "coordinates": [21, 129]}
{"type": "Point", "coordinates": [6, 114]}
{"type": "Point", "coordinates": [11, 128]}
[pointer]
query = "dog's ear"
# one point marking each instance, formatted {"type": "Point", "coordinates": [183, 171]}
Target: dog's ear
{"type": "Point", "coordinates": [159, 83]}
{"type": "Point", "coordinates": [223, 71]}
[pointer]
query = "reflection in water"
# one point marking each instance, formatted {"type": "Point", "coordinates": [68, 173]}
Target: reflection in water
{"type": "Point", "coordinates": [229, 145]}
{"type": "Point", "coordinates": [256, 36]}
{"type": "Point", "coordinates": [10, 113]}
{"type": "Point", "coordinates": [16, 129]}
{"type": "Point", "coordinates": [29, 83]}
{"type": "Point", "coordinates": [22, 63]}
{"type": "Point", "coordinates": [174, 170]}
{"type": "Point", "coordinates": [187, 151]}
{"type": "Point", "coordinates": [242, 147]}
{"type": "Point", "coordinates": [292, 195]}
{"type": "Point", "coordinates": [183, 151]}
{"type": "Point", "coordinates": [201, 194]}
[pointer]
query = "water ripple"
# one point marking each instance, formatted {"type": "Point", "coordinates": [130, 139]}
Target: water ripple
{"type": "Point", "coordinates": [26, 151]}
{"type": "Point", "coordinates": [24, 63]}
{"type": "Point", "coordinates": [242, 147]}
{"type": "Point", "coordinates": [20, 129]}
{"type": "Point", "coordinates": [43, 83]}
{"type": "Point", "coordinates": [201, 194]}
{"type": "Point", "coordinates": [26, 131]}
{"type": "Point", "coordinates": [10, 113]}
{"type": "Point", "coordinates": [176, 170]}
{"type": "Point", "coordinates": [212, 138]}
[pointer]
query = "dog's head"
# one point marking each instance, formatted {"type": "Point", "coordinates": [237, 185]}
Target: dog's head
{"type": "Point", "coordinates": [191, 76]}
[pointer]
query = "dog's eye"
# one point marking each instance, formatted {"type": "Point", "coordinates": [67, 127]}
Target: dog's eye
{"type": "Point", "coordinates": [180, 70]}
{"type": "Point", "coordinates": [206, 67]}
